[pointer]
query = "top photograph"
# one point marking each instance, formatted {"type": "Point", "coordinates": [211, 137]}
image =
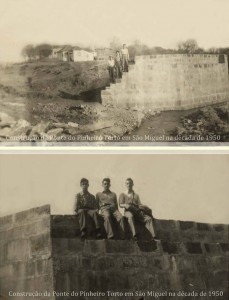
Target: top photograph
{"type": "Point", "coordinates": [114, 73]}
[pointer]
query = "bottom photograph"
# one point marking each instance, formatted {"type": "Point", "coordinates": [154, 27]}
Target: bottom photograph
{"type": "Point", "coordinates": [114, 226]}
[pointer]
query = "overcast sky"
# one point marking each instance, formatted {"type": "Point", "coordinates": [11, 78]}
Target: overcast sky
{"type": "Point", "coordinates": [180, 187]}
{"type": "Point", "coordinates": [96, 22]}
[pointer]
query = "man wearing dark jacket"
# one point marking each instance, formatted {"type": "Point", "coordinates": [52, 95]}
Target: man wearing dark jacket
{"type": "Point", "coordinates": [86, 207]}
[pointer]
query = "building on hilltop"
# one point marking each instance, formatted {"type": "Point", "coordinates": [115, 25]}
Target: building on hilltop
{"type": "Point", "coordinates": [72, 53]}
{"type": "Point", "coordinates": [56, 53]}
{"type": "Point", "coordinates": [82, 55]}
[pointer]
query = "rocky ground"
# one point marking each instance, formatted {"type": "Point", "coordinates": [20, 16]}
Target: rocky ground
{"type": "Point", "coordinates": [69, 122]}
{"type": "Point", "coordinates": [211, 122]}
{"type": "Point", "coordinates": [207, 124]}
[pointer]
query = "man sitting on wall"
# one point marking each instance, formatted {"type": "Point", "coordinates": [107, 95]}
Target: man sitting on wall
{"type": "Point", "coordinates": [108, 205]}
{"type": "Point", "coordinates": [134, 210]}
{"type": "Point", "coordinates": [86, 207]}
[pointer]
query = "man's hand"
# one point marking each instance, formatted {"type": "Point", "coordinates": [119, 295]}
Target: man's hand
{"type": "Point", "coordinates": [126, 206]}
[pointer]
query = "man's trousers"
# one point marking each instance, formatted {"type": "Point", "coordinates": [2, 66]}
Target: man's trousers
{"type": "Point", "coordinates": [86, 215]}
{"type": "Point", "coordinates": [108, 222]}
{"type": "Point", "coordinates": [141, 217]}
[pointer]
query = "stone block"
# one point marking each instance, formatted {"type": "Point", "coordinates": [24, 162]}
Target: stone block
{"type": "Point", "coordinates": [43, 266]}
{"type": "Point", "coordinates": [138, 279]}
{"type": "Point", "coordinates": [3, 253]}
{"type": "Point", "coordinates": [185, 264]}
{"type": "Point", "coordinates": [65, 231]}
{"type": "Point", "coordinates": [192, 281]}
{"type": "Point", "coordinates": [169, 235]}
{"type": "Point", "coordinates": [212, 248]}
{"type": "Point", "coordinates": [149, 246]}
{"type": "Point", "coordinates": [18, 250]}
{"type": "Point", "coordinates": [203, 226]}
{"type": "Point", "coordinates": [158, 263]}
{"type": "Point", "coordinates": [40, 245]}
{"type": "Point", "coordinates": [224, 247]}
{"type": "Point", "coordinates": [32, 214]}
{"type": "Point", "coordinates": [6, 222]}
{"type": "Point", "coordinates": [220, 227]}
{"type": "Point", "coordinates": [132, 261]}
{"type": "Point", "coordinates": [6, 271]}
{"type": "Point", "coordinates": [193, 248]}
{"type": "Point", "coordinates": [170, 247]}
{"type": "Point", "coordinates": [63, 246]}
{"type": "Point", "coordinates": [103, 263]}
{"type": "Point", "coordinates": [24, 231]}
{"type": "Point", "coordinates": [76, 245]}
{"type": "Point", "coordinates": [216, 262]}
{"type": "Point", "coordinates": [94, 246]}
{"type": "Point", "coordinates": [166, 225]}
{"type": "Point", "coordinates": [118, 246]}
{"type": "Point", "coordinates": [218, 280]}
{"type": "Point", "coordinates": [19, 269]}
{"type": "Point", "coordinates": [187, 225]}
{"type": "Point", "coordinates": [44, 283]}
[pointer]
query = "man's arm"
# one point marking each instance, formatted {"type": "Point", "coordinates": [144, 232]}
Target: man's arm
{"type": "Point", "coordinates": [122, 202]}
{"type": "Point", "coordinates": [96, 202]}
{"type": "Point", "coordinates": [115, 202]}
{"type": "Point", "coordinates": [138, 200]}
{"type": "Point", "coordinates": [76, 205]}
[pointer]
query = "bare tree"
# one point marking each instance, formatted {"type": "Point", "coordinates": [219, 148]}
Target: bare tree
{"type": "Point", "coordinates": [189, 46]}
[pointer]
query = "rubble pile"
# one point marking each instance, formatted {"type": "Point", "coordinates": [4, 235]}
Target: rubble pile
{"type": "Point", "coordinates": [101, 121]}
{"type": "Point", "coordinates": [22, 130]}
{"type": "Point", "coordinates": [206, 122]}
{"type": "Point", "coordinates": [62, 112]}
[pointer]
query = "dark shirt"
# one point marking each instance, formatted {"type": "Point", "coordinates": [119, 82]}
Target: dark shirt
{"type": "Point", "coordinates": [107, 200]}
{"type": "Point", "coordinates": [85, 201]}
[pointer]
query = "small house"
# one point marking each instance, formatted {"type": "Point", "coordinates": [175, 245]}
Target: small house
{"type": "Point", "coordinates": [56, 53]}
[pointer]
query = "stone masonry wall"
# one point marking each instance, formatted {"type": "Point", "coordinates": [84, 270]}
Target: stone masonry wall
{"type": "Point", "coordinates": [25, 252]}
{"type": "Point", "coordinates": [171, 82]}
{"type": "Point", "coordinates": [188, 257]}
{"type": "Point", "coordinates": [43, 252]}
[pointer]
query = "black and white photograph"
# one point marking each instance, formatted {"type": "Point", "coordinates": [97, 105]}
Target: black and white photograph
{"type": "Point", "coordinates": [114, 226]}
{"type": "Point", "coordinates": [102, 72]}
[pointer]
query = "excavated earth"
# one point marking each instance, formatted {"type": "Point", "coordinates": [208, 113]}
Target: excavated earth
{"type": "Point", "coordinates": [59, 101]}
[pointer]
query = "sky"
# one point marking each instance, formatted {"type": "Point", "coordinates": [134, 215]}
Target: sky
{"type": "Point", "coordinates": [178, 187]}
{"type": "Point", "coordinates": [95, 22]}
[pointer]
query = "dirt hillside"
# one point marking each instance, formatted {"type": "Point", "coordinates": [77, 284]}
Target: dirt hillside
{"type": "Point", "coordinates": [49, 79]}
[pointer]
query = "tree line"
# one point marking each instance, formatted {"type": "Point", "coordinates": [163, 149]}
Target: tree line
{"type": "Point", "coordinates": [40, 51]}
{"type": "Point", "coordinates": [189, 46]}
